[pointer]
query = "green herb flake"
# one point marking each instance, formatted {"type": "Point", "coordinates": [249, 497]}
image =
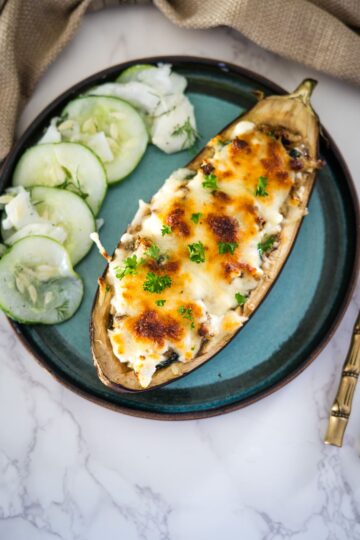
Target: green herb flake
{"type": "Point", "coordinates": [210, 181]}
{"type": "Point", "coordinates": [188, 131]}
{"type": "Point", "coordinates": [195, 218]}
{"type": "Point", "coordinates": [266, 245]}
{"type": "Point", "coordinates": [187, 313]}
{"type": "Point", "coordinates": [72, 183]}
{"type": "Point", "coordinates": [166, 229]}
{"type": "Point", "coordinates": [155, 283]}
{"type": "Point", "coordinates": [224, 142]}
{"type": "Point", "coordinates": [160, 303]}
{"type": "Point", "coordinates": [227, 247]}
{"type": "Point", "coordinates": [197, 252]}
{"type": "Point", "coordinates": [240, 298]}
{"type": "Point", "coordinates": [153, 252]}
{"type": "Point", "coordinates": [62, 310]}
{"type": "Point", "coordinates": [129, 268]}
{"type": "Point", "coordinates": [261, 187]}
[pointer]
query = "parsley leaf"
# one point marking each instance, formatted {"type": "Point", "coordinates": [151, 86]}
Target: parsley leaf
{"type": "Point", "coordinates": [188, 131]}
{"type": "Point", "coordinates": [166, 229]}
{"type": "Point", "coordinates": [227, 247]}
{"type": "Point", "coordinates": [266, 245]}
{"type": "Point", "coordinates": [187, 314]}
{"type": "Point", "coordinates": [224, 142]}
{"type": "Point", "coordinates": [197, 252]}
{"type": "Point", "coordinates": [129, 268]}
{"type": "Point", "coordinates": [153, 252]}
{"type": "Point", "coordinates": [155, 283]}
{"type": "Point", "coordinates": [261, 187]}
{"type": "Point", "coordinates": [210, 181]}
{"type": "Point", "coordinates": [196, 217]}
{"type": "Point", "coordinates": [160, 303]}
{"type": "Point", "coordinates": [240, 298]}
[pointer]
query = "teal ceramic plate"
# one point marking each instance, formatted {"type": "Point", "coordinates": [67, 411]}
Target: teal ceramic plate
{"type": "Point", "coordinates": [291, 326]}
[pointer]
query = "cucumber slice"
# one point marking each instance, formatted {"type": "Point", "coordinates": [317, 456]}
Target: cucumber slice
{"type": "Point", "coordinates": [111, 128]}
{"type": "Point", "coordinates": [59, 211]}
{"type": "Point", "coordinates": [38, 283]}
{"type": "Point", "coordinates": [68, 165]}
{"type": "Point", "coordinates": [131, 73]}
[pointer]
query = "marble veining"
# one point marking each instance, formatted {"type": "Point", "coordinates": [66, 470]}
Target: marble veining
{"type": "Point", "coordinates": [70, 469]}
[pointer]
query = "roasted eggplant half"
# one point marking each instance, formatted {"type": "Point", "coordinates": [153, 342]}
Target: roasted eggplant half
{"type": "Point", "coordinates": [200, 257]}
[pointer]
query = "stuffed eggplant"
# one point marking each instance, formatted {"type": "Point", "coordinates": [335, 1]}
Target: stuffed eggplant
{"type": "Point", "coordinates": [199, 258]}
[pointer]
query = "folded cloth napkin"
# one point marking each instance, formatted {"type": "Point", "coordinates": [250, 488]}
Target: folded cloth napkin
{"type": "Point", "coordinates": [318, 33]}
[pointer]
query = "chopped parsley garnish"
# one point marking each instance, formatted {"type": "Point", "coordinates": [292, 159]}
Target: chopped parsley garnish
{"type": "Point", "coordinates": [227, 247]}
{"type": "Point", "coordinates": [197, 252]}
{"type": "Point", "coordinates": [187, 313]}
{"type": "Point", "coordinates": [166, 229]}
{"type": "Point", "coordinates": [188, 131]}
{"type": "Point", "coordinates": [155, 283]}
{"type": "Point", "coordinates": [153, 252]}
{"type": "Point", "coordinates": [271, 134]}
{"type": "Point", "coordinates": [129, 268]}
{"type": "Point", "coordinates": [160, 303]}
{"type": "Point", "coordinates": [196, 217]}
{"type": "Point", "coordinates": [224, 142]}
{"type": "Point", "coordinates": [266, 245]}
{"type": "Point", "coordinates": [210, 181]}
{"type": "Point", "coordinates": [240, 298]}
{"type": "Point", "coordinates": [261, 187]}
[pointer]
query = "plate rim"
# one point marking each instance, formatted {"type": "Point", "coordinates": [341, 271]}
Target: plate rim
{"type": "Point", "coordinates": [222, 409]}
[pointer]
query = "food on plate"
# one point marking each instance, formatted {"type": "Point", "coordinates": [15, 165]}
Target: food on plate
{"type": "Point", "coordinates": [111, 128]}
{"type": "Point", "coordinates": [158, 94]}
{"type": "Point", "coordinates": [198, 259]}
{"type": "Point", "coordinates": [64, 165]}
{"type": "Point", "coordinates": [60, 183]}
{"type": "Point", "coordinates": [45, 211]}
{"type": "Point", "coordinates": [38, 283]}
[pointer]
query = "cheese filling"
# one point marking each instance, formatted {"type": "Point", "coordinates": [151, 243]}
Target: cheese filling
{"type": "Point", "coordinates": [191, 258]}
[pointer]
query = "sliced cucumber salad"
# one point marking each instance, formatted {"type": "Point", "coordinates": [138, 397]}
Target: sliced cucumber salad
{"type": "Point", "coordinates": [70, 166]}
{"type": "Point", "coordinates": [38, 283]}
{"type": "Point", "coordinates": [60, 184]}
{"type": "Point", "coordinates": [158, 94]}
{"type": "Point", "coordinates": [111, 128]}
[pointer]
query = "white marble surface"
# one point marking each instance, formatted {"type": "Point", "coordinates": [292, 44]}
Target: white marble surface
{"type": "Point", "coordinates": [70, 469]}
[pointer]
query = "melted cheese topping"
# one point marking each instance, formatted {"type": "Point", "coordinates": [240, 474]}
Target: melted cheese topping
{"type": "Point", "coordinates": [202, 301]}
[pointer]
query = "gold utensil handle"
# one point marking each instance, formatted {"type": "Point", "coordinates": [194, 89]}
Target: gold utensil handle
{"type": "Point", "coordinates": [341, 409]}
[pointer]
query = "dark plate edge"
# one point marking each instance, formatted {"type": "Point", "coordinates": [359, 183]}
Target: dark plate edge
{"type": "Point", "coordinates": [225, 66]}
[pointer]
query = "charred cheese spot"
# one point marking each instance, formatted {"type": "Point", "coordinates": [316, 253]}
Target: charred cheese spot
{"type": "Point", "coordinates": [177, 222]}
{"type": "Point", "coordinates": [241, 144]}
{"type": "Point", "coordinates": [207, 167]}
{"type": "Point", "coordinates": [155, 328]}
{"type": "Point", "coordinates": [273, 160]}
{"type": "Point", "coordinates": [169, 267]}
{"type": "Point", "coordinates": [225, 228]}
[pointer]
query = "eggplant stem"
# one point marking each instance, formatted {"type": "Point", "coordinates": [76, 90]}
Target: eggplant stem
{"type": "Point", "coordinates": [304, 90]}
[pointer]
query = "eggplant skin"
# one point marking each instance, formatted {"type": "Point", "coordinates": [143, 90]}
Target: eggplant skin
{"type": "Point", "coordinates": [292, 112]}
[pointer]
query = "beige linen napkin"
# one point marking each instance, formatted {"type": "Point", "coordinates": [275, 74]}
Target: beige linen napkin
{"type": "Point", "coordinates": [316, 33]}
